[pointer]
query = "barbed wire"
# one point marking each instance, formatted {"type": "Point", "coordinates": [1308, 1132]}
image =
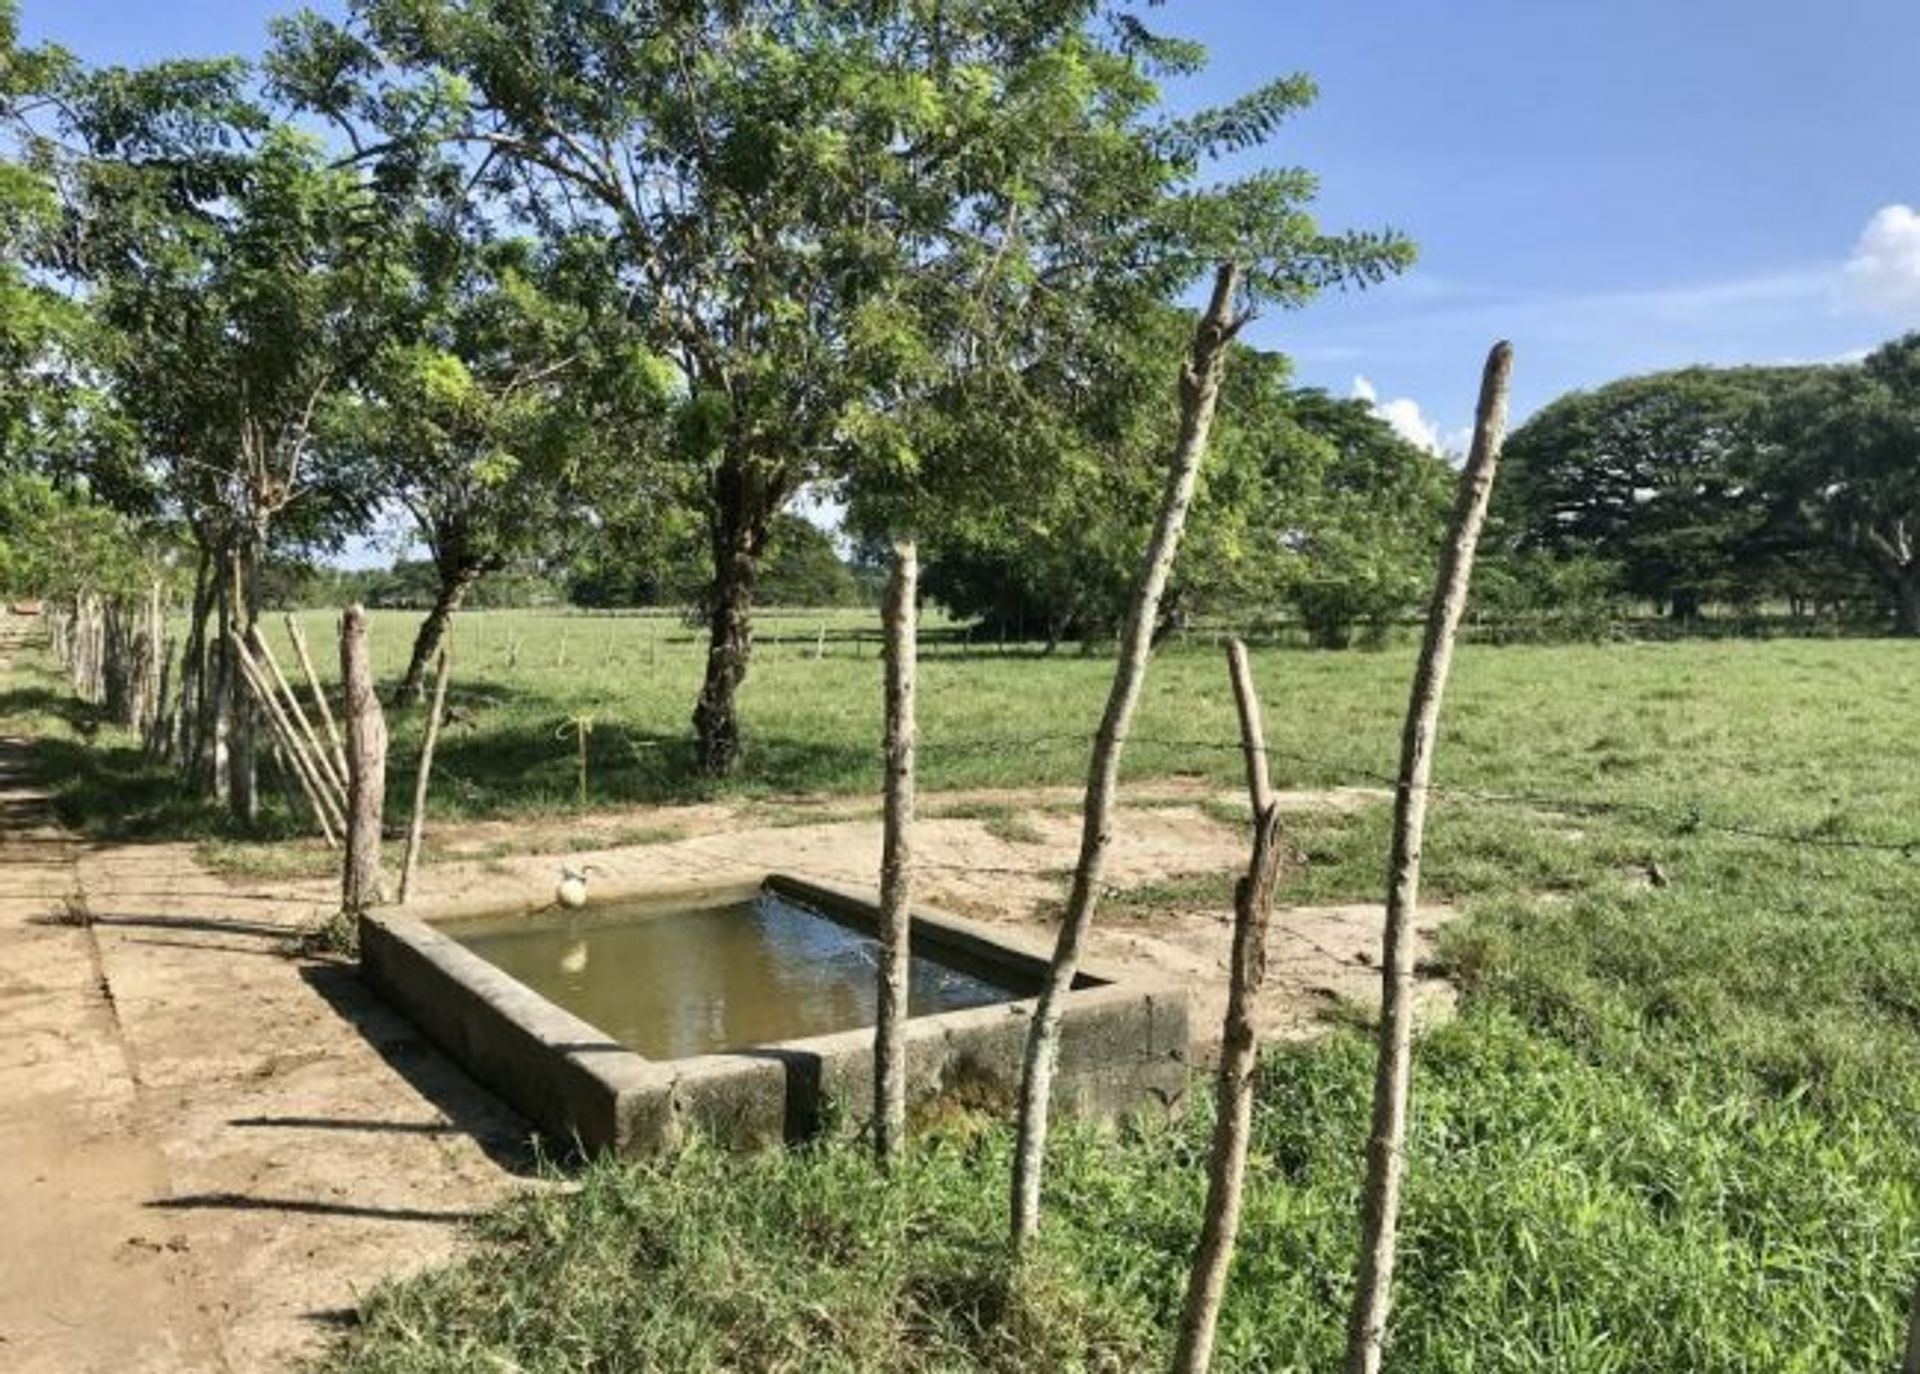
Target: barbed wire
{"type": "Point", "coordinates": [1686, 820]}
{"type": "Point", "coordinates": [1334, 773]}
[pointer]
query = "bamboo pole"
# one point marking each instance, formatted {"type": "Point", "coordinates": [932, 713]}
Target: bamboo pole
{"type": "Point", "coordinates": [1386, 1159]}
{"type": "Point", "coordinates": [1200, 379]}
{"type": "Point", "coordinates": [324, 803]}
{"type": "Point", "coordinates": [1239, 1044]}
{"type": "Point", "coordinates": [255, 679]}
{"type": "Point", "coordinates": [417, 828]}
{"type": "Point", "coordinates": [896, 862]}
{"type": "Point", "coordinates": [299, 638]}
{"type": "Point", "coordinates": [263, 656]}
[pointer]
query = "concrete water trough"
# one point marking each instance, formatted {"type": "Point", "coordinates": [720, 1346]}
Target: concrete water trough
{"type": "Point", "coordinates": [745, 1013]}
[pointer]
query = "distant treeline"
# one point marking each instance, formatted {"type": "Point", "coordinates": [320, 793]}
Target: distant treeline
{"type": "Point", "coordinates": [1729, 492]}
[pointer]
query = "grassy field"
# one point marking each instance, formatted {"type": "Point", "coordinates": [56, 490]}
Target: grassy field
{"type": "Point", "coordinates": [1672, 1127]}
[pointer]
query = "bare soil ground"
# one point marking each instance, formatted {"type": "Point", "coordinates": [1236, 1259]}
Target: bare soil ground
{"type": "Point", "coordinates": [215, 1147]}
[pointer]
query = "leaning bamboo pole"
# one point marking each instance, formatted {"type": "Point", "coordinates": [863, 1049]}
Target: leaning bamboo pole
{"type": "Point", "coordinates": [264, 657]}
{"type": "Point", "coordinates": [319, 797]}
{"type": "Point", "coordinates": [299, 638]}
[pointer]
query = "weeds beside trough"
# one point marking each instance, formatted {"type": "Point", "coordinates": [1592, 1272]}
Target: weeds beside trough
{"type": "Point", "coordinates": [1124, 1041]}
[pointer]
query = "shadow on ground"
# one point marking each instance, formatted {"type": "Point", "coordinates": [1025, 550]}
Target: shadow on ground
{"type": "Point", "coordinates": [467, 1108]}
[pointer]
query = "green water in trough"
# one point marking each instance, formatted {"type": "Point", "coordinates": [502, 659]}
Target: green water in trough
{"type": "Point", "coordinates": [687, 979]}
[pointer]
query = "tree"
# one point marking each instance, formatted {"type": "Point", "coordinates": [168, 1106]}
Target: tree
{"type": "Point", "coordinates": [1652, 474]}
{"type": "Point", "coordinates": [1359, 512]}
{"type": "Point", "coordinates": [235, 277]}
{"type": "Point", "coordinates": [42, 330]}
{"type": "Point", "coordinates": [483, 409]}
{"type": "Point", "coordinates": [803, 198]}
{"type": "Point", "coordinates": [1846, 443]}
{"type": "Point", "coordinates": [1307, 500]}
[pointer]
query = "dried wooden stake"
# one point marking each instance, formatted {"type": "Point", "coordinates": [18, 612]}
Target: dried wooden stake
{"type": "Point", "coordinates": [361, 885]}
{"type": "Point", "coordinates": [417, 829]}
{"type": "Point", "coordinates": [1239, 1044]}
{"type": "Point", "coordinates": [1199, 391]}
{"type": "Point", "coordinates": [896, 863]}
{"type": "Point", "coordinates": [296, 714]}
{"type": "Point", "coordinates": [320, 795]}
{"type": "Point", "coordinates": [1386, 1162]}
{"type": "Point", "coordinates": [299, 638]}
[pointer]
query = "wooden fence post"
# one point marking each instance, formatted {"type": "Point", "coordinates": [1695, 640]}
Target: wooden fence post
{"type": "Point", "coordinates": [1386, 1144]}
{"type": "Point", "coordinates": [1199, 390]}
{"type": "Point", "coordinates": [896, 862]}
{"type": "Point", "coordinates": [361, 885]}
{"type": "Point", "coordinates": [417, 828]}
{"type": "Point", "coordinates": [1239, 1044]}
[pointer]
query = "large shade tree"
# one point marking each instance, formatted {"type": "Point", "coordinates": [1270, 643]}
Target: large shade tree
{"type": "Point", "coordinates": [497, 392]}
{"type": "Point", "coordinates": [1845, 444]}
{"type": "Point", "coordinates": [815, 208]}
{"type": "Point", "coordinates": [1654, 476]}
{"type": "Point", "coordinates": [234, 278]}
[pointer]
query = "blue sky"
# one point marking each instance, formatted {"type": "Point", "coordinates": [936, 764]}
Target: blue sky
{"type": "Point", "coordinates": [1617, 187]}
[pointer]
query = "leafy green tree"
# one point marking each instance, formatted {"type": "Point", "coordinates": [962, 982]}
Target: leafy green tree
{"type": "Point", "coordinates": [820, 210]}
{"type": "Point", "coordinates": [483, 410]}
{"type": "Point", "coordinates": [1653, 475]}
{"type": "Point", "coordinates": [803, 567]}
{"type": "Point", "coordinates": [1359, 512]}
{"type": "Point", "coordinates": [1309, 501]}
{"type": "Point", "coordinates": [1846, 443]}
{"type": "Point", "coordinates": [234, 277]}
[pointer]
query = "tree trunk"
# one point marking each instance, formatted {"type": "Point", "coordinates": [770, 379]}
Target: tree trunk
{"type": "Point", "coordinates": [739, 530]}
{"type": "Point", "coordinates": [454, 586]}
{"type": "Point", "coordinates": [1239, 1045]}
{"type": "Point", "coordinates": [243, 756]}
{"type": "Point", "coordinates": [417, 827]}
{"type": "Point", "coordinates": [1906, 599]}
{"type": "Point", "coordinates": [219, 712]}
{"type": "Point", "coordinates": [1199, 391]}
{"type": "Point", "coordinates": [366, 767]}
{"type": "Point", "coordinates": [1380, 1202]}
{"type": "Point", "coordinates": [896, 863]}
{"type": "Point", "coordinates": [1911, 1365]}
{"type": "Point", "coordinates": [193, 679]}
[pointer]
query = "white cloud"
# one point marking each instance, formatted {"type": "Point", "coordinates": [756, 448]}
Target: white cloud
{"type": "Point", "coordinates": [1405, 416]}
{"type": "Point", "coordinates": [1884, 272]}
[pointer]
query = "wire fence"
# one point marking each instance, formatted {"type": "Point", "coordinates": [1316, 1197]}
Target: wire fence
{"type": "Point", "coordinates": [1343, 774]}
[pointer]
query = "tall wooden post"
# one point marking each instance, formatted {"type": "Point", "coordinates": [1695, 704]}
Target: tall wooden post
{"type": "Point", "coordinates": [1200, 379]}
{"type": "Point", "coordinates": [1239, 1044]}
{"type": "Point", "coordinates": [896, 862]}
{"type": "Point", "coordinates": [1393, 1074]}
{"type": "Point", "coordinates": [417, 828]}
{"type": "Point", "coordinates": [361, 884]}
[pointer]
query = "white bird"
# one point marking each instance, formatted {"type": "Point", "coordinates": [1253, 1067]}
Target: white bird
{"type": "Point", "coordinates": [572, 889]}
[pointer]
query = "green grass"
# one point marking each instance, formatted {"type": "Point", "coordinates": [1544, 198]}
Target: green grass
{"type": "Point", "coordinates": [1671, 1128]}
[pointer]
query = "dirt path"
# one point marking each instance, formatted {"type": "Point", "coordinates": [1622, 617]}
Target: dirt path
{"type": "Point", "coordinates": [211, 1149]}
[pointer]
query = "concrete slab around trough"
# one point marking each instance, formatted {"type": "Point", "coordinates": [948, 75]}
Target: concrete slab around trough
{"type": "Point", "coordinates": [1124, 1040]}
